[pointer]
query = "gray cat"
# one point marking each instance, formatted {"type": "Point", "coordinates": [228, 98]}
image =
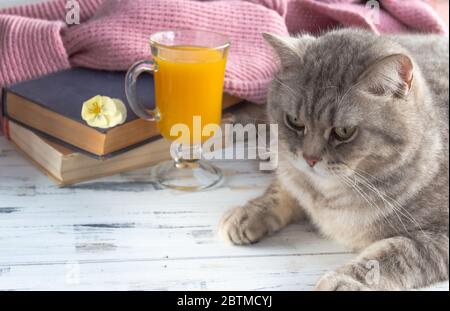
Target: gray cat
{"type": "Point", "coordinates": [363, 154]}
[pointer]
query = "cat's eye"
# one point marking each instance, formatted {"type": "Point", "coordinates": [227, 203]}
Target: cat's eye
{"type": "Point", "coordinates": [343, 133]}
{"type": "Point", "coordinates": [294, 123]}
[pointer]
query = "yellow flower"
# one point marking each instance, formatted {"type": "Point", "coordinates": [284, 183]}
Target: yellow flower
{"type": "Point", "coordinates": [104, 112]}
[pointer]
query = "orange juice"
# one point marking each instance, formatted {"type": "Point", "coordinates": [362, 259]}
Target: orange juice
{"type": "Point", "coordinates": [188, 83]}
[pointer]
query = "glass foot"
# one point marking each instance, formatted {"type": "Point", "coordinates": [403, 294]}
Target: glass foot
{"type": "Point", "coordinates": [187, 175]}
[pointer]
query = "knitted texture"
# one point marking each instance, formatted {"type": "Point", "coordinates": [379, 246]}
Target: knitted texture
{"type": "Point", "coordinates": [38, 49]}
{"type": "Point", "coordinates": [113, 34]}
{"type": "Point", "coordinates": [120, 38]}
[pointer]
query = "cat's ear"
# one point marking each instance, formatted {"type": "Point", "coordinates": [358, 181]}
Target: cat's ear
{"type": "Point", "coordinates": [392, 75]}
{"type": "Point", "coordinates": [290, 50]}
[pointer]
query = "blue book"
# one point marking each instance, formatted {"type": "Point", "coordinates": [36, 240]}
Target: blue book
{"type": "Point", "coordinates": [51, 106]}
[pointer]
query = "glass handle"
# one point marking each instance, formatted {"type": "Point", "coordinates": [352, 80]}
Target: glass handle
{"type": "Point", "coordinates": [130, 89]}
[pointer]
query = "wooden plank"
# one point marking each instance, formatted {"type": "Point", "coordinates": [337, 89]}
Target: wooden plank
{"type": "Point", "coordinates": [123, 232]}
{"type": "Point", "coordinates": [126, 217]}
{"type": "Point", "coordinates": [223, 274]}
{"type": "Point", "coordinates": [256, 273]}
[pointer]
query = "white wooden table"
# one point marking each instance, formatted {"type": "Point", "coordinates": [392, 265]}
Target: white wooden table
{"type": "Point", "coordinates": [123, 233]}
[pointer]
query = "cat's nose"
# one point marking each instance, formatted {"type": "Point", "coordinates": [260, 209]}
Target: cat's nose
{"type": "Point", "coordinates": [311, 160]}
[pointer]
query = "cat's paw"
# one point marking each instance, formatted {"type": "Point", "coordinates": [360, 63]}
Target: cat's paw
{"type": "Point", "coordinates": [244, 225]}
{"type": "Point", "coordinates": [334, 281]}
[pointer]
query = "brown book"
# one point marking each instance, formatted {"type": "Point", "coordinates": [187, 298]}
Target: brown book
{"type": "Point", "coordinates": [52, 105]}
{"type": "Point", "coordinates": [66, 166]}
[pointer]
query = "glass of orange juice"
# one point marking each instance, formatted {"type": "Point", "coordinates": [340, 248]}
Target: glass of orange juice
{"type": "Point", "coordinates": [188, 68]}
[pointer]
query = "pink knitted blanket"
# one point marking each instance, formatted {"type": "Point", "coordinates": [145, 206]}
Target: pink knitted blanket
{"type": "Point", "coordinates": [34, 39]}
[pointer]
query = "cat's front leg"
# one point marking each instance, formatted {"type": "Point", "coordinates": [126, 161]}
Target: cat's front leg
{"type": "Point", "coordinates": [394, 264]}
{"type": "Point", "coordinates": [260, 217]}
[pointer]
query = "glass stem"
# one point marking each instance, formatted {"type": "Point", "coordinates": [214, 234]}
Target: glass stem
{"type": "Point", "coordinates": [186, 156]}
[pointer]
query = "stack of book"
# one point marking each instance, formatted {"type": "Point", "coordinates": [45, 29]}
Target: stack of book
{"type": "Point", "coordinates": [42, 118]}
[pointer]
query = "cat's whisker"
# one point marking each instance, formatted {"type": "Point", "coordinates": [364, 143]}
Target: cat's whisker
{"type": "Point", "coordinates": [398, 208]}
{"type": "Point", "coordinates": [394, 204]}
{"type": "Point", "coordinates": [341, 100]}
{"type": "Point", "coordinates": [378, 194]}
{"type": "Point", "coordinates": [286, 86]}
{"type": "Point", "coordinates": [363, 195]}
{"type": "Point", "coordinates": [366, 198]}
